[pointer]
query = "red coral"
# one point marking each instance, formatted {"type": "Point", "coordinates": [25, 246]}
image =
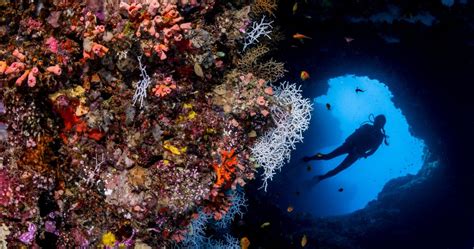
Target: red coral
{"type": "Point", "coordinates": [73, 123]}
{"type": "Point", "coordinates": [225, 171]}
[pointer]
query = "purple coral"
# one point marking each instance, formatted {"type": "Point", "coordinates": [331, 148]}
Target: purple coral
{"type": "Point", "coordinates": [27, 237]}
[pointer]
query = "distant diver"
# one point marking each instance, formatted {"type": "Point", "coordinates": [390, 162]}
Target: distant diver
{"type": "Point", "coordinates": [362, 143]}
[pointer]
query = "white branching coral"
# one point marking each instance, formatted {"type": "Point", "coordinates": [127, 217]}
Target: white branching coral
{"type": "Point", "coordinates": [196, 236]}
{"type": "Point", "coordinates": [239, 202]}
{"type": "Point", "coordinates": [229, 242]}
{"type": "Point", "coordinates": [4, 232]}
{"type": "Point", "coordinates": [291, 116]}
{"type": "Point", "coordinates": [142, 85]}
{"type": "Point", "coordinates": [257, 30]}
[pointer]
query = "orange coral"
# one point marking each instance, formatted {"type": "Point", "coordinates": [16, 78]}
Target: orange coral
{"type": "Point", "coordinates": [39, 156]}
{"type": "Point", "coordinates": [265, 6]}
{"type": "Point", "coordinates": [226, 169]}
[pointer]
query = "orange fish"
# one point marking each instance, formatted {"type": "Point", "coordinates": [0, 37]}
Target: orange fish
{"type": "Point", "coordinates": [244, 243]}
{"type": "Point", "coordinates": [304, 241]}
{"type": "Point", "coordinates": [289, 209]}
{"type": "Point", "coordinates": [300, 36]}
{"type": "Point", "coordinates": [304, 75]}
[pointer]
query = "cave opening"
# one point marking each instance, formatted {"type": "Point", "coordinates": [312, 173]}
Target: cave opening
{"type": "Point", "coordinates": [337, 114]}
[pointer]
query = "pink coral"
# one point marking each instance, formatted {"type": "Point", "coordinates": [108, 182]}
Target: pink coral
{"type": "Point", "coordinates": [185, 26]}
{"type": "Point", "coordinates": [32, 77]}
{"type": "Point", "coordinates": [99, 49]}
{"type": "Point", "coordinates": [33, 24]}
{"type": "Point", "coordinates": [22, 78]}
{"type": "Point", "coordinates": [54, 18]}
{"type": "Point", "coordinates": [54, 69]}
{"type": "Point", "coordinates": [160, 49]}
{"type": "Point", "coordinates": [164, 87]}
{"type": "Point", "coordinates": [134, 8]}
{"type": "Point", "coordinates": [15, 68]}
{"type": "Point", "coordinates": [52, 44]}
{"type": "Point", "coordinates": [19, 55]}
{"type": "Point", "coordinates": [269, 90]}
{"type": "Point", "coordinates": [153, 7]}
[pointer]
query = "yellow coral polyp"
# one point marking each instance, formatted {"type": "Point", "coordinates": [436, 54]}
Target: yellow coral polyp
{"type": "Point", "coordinates": [76, 92]}
{"type": "Point", "coordinates": [171, 148]}
{"type": "Point", "coordinates": [191, 115]}
{"type": "Point", "coordinates": [108, 239]}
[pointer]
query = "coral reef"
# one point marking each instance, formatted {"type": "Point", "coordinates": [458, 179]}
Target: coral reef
{"type": "Point", "coordinates": [120, 121]}
{"type": "Point", "coordinates": [142, 85]}
{"type": "Point", "coordinates": [257, 31]}
{"type": "Point", "coordinates": [264, 7]}
{"type": "Point", "coordinates": [239, 202]}
{"type": "Point", "coordinates": [291, 115]}
{"type": "Point", "coordinates": [4, 232]}
{"type": "Point", "coordinates": [251, 62]}
{"type": "Point", "coordinates": [196, 238]}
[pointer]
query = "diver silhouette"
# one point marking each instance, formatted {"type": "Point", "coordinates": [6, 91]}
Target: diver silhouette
{"type": "Point", "coordinates": [362, 143]}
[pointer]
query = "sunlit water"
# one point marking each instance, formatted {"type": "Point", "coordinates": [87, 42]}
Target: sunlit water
{"type": "Point", "coordinates": [365, 178]}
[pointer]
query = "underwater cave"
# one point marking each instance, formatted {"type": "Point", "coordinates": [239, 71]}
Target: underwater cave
{"type": "Point", "coordinates": [204, 124]}
{"type": "Point", "coordinates": [336, 115]}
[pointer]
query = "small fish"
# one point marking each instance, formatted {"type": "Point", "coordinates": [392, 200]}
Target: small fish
{"type": "Point", "coordinates": [295, 7]}
{"type": "Point", "coordinates": [304, 241]}
{"type": "Point", "coordinates": [348, 39]}
{"type": "Point", "coordinates": [266, 224]}
{"type": "Point", "coordinates": [297, 193]}
{"type": "Point", "coordinates": [289, 209]}
{"type": "Point", "coordinates": [328, 106]}
{"type": "Point", "coordinates": [299, 36]}
{"type": "Point", "coordinates": [244, 243]}
{"type": "Point", "coordinates": [358, 90]}
{"type": "Point", "coordinates": [304, 75]}
{"type": "Point", "coordinates": [308, 17]}
{"type": "Point", "coordinates": [340, 189]}
{"type": "Point", "coordinates": [308, 168]}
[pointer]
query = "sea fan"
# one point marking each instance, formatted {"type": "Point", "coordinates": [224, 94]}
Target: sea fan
{"type": "Point", "coordinates": [291, 116]}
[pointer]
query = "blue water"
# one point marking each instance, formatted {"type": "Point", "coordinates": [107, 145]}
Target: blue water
{"type": "Point", "coordinates": [447, 3]}
{"type": "Point", "coordinates": [364, 179]}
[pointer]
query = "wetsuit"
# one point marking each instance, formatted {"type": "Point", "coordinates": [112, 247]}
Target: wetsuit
{"type": "Point", "coordinates": [362, 143]}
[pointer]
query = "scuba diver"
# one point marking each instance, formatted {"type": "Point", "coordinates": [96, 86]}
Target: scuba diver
{"type": "Point", "coordinates": [362, 143]}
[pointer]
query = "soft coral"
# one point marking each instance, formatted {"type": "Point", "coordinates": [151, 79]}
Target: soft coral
{"type": "Point", "coordinates": [226, 169]}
